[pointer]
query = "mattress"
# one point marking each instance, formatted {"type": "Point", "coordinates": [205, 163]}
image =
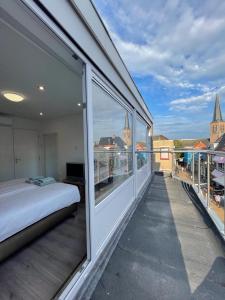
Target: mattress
{"type": "Point", "coordinates": [24, 208]}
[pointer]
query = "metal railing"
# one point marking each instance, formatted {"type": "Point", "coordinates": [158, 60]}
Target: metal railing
{"type": "Point", "coordinates": [203, 170]}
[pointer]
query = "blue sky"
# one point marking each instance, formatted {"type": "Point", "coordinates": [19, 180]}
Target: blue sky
{"type": "Point", "coordinates": [175, 51]}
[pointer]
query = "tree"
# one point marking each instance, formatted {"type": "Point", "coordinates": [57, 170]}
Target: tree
{"type": "Point", "coordinates": [178, 145]}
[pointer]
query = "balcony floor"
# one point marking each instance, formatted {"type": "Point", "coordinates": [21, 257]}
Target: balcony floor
{"type": "Point", "coordinates": [169, 250]}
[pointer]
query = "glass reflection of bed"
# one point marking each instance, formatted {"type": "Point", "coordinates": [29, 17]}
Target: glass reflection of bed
{"type": "Point", "coordinates": [27, 211]}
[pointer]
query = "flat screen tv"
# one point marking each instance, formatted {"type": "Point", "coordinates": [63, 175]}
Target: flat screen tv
{"type": "Point", "coordinates": [75, 170]}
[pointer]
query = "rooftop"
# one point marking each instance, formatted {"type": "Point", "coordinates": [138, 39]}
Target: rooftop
{"type": "Point", "coordinates": [169, 250]}
{"type": "Point", "coordinates": [159, 137]}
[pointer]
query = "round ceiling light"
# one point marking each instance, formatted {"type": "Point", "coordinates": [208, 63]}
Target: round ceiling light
{"type": "Point", "coordinates": [13, 96]}
{"type": "Point", "coordinates": [41, 88]}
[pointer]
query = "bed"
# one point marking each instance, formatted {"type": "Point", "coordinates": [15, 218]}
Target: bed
{"type": "Point", "coordinates": [27, 211]}
{"type": "Point", "coordinates": [14, 186]}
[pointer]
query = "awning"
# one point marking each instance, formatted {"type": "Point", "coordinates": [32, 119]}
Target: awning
{"type": "Point", "coordinates": [219, 159]}
{"type": "Point", "coordinates": [217, 173]}
{"type": "Point", "coordinates": [219, 180]}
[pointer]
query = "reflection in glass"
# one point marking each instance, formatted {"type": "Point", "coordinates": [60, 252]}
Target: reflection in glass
{"type": "Point", "coordinates": [203, 175]}
{"type": "Point", "coordinates": [142, 143]}
{"type": "Point", "coordinates": [112, 130]}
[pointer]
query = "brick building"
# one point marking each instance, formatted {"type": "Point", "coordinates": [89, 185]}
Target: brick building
{"type": "Point", "coordinates": [217, 126]}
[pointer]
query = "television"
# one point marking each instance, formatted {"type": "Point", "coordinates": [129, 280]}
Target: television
{"type": "Point", "coordinates": [75, 170]}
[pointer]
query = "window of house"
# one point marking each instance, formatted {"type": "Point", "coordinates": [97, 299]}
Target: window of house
{"type": "Point", "coordinates": [112, 133]}
{"type": "Point", "coordinates": [164, 153]}
{"type": "Point", "coordinates": [221, 167]}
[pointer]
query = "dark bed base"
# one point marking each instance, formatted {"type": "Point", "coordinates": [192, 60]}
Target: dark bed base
{"type": "Point", "coordinates": [27, 235]}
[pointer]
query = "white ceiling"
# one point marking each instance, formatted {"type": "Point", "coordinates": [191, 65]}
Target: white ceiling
{"type": "Point", "coordinates": [24, 66]}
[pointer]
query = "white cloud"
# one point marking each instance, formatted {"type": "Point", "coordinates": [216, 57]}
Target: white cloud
{"type": "Point", "coordinates": [196, 103]}
{"type": "Point", "coordinates": [180, 43]}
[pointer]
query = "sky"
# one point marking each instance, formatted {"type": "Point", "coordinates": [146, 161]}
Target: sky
{"type": "Point", "coordinates": [175, 52]}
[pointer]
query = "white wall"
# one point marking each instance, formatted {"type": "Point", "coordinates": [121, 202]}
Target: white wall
{"type": "Point", "coordinates": [28, 124]}
{"type": "Point", "coordinates": [8, 126]}
{"type": "Point", "coordinates": [109, 213]}
{"type": "Point", "coordinates": [69, 130]}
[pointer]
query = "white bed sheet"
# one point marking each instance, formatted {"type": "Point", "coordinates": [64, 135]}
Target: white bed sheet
{"type": "Point", "coordinates": [14, 186]}
{"type": "Point", "coordinates": [22, 209]}
{"type": "Point", "coordinates": [12, 182]}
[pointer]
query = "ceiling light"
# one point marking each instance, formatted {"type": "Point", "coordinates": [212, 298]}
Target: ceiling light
{"type": "Point", "coordinates": [13, 96]}
{"type": "Point", "coordinates": [41, 114]}
{"type": "Point", "coordinates": [79, 104]}
{"type": "Point", "coordinates": [41, 88]}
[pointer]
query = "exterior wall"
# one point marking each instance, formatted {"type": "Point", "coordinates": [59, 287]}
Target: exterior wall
{"type": "Point", "coordinates": [161, 162]}
{"type": "Point", "coordinates": [103, 219]}
{"type": "Point", "coordinates": [142, 176]}
{"type": "Point", "coordinates": [217, 129]}
{"type": "Point", "coordinates": [95, 42]}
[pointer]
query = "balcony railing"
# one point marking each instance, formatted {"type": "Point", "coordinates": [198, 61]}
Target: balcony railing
{"type": "Point", "coordinates": [203, 170]}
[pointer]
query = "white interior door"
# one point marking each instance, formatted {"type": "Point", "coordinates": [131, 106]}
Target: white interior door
{"type": "Point", "coordinates": [6, 153]}
{"type": "Point", "coordinates": [26, 154]}
{"type": "Point", "coordinates": [50, 155]}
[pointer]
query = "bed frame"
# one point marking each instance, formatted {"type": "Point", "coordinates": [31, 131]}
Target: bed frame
{"type": "Point", "coordinates": [27, 235]}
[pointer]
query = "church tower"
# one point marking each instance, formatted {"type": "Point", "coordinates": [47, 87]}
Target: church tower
{"type": "Point", "coordinates": [217, 126]}
{"type": "Point", "coordinates": [127, 133]}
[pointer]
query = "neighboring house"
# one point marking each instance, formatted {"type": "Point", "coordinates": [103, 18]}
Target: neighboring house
{"type": "Point", "coordinates": [217, 143]}
{"type": "Point", "coordinates": [201, 145]}
{"type": "Point", "coordinates": [114, 142]}
{"type": "Point", "coordinates": [159, 137]}
{"type": "Point", "coordinates": [194, 143]}
{"type": "Point", "coordinates": [219, 162]}
{"type": "Point", "coordinates": [163, 160]}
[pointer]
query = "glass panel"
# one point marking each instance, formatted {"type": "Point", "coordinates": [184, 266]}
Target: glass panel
{"type": "Point", "coordinates": [216, 201]}
{"type": "Point", "coordinates": [149, 147]}
{"type": "Point", "coordinates": [112, 130]}
{"type": "Point", "coordinates": [141, 143]}
{"type": "Point", "coordinates": [203, 176]}
{"type": "Point", "coordinates": [196, 169]}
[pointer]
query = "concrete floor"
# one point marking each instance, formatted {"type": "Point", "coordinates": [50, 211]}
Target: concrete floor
{"type": "Point", "coordinates": [169, 250]}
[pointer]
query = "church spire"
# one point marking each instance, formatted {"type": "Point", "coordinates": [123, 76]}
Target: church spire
{"type": "Point", "coordinates": [126, 123]}
{"type": "Point", "coordinates": [217, 115]}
